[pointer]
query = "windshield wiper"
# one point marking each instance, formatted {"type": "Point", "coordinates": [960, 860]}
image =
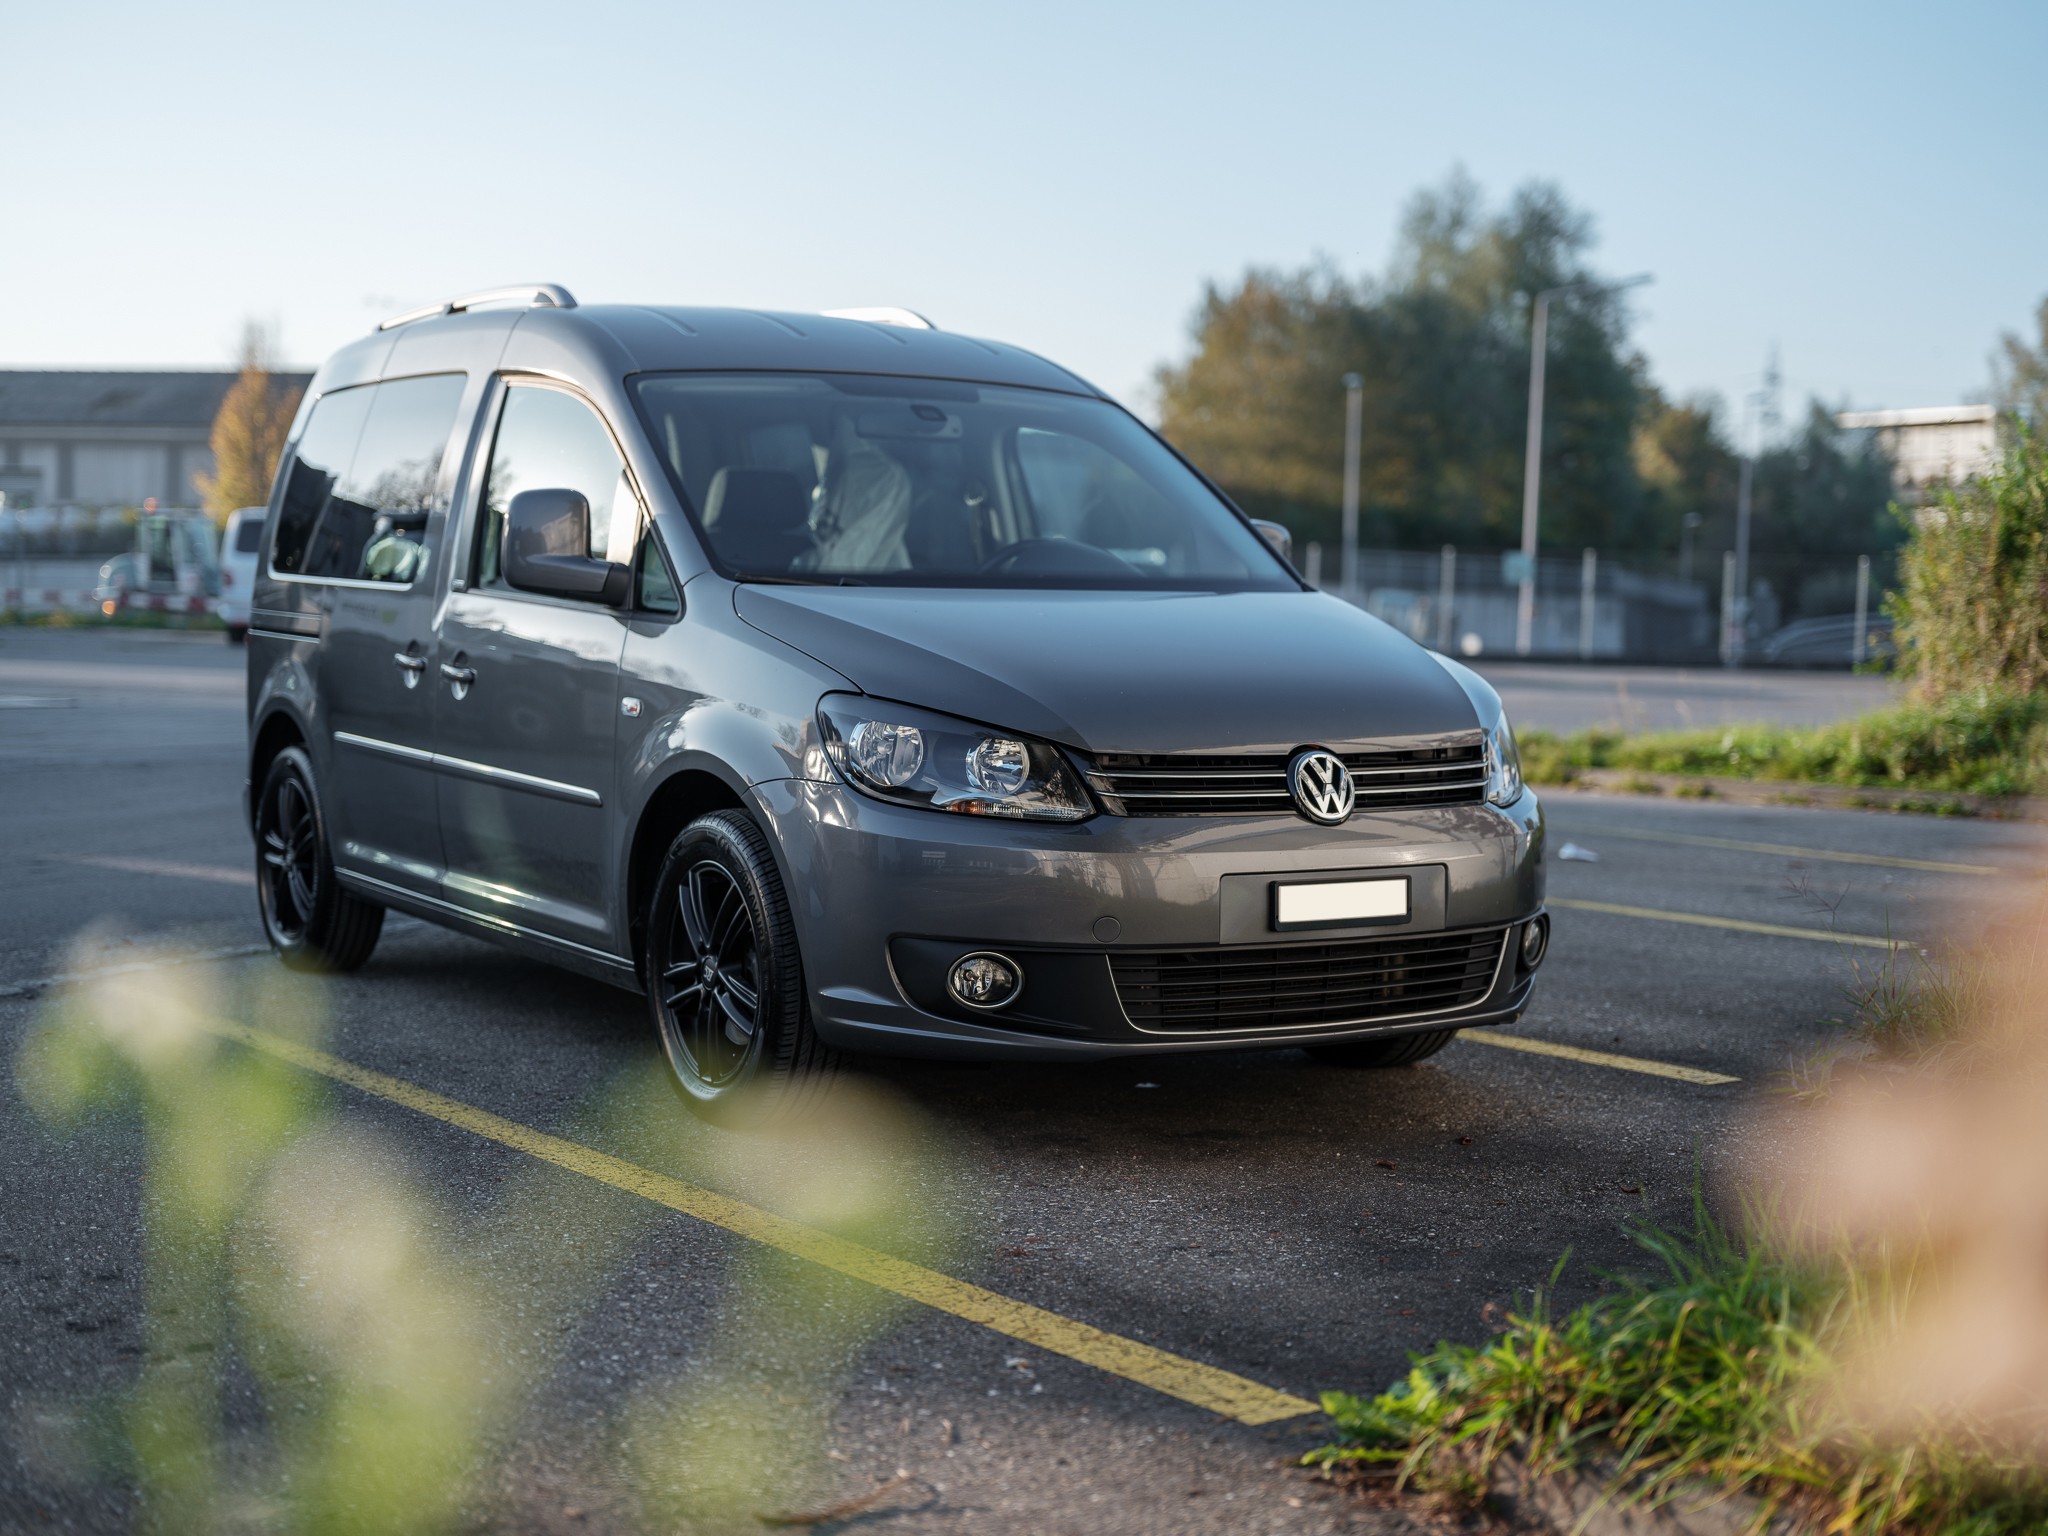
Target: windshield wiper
{"type": "Point", "coordinates": [806, 581]}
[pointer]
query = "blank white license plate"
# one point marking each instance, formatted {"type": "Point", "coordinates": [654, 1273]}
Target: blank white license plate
{"type": "Point", "coordinates": [1340, 901]}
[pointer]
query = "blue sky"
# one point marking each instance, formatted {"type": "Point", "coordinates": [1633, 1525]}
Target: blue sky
{"type": "Point", "coordinates": [1860, 185]}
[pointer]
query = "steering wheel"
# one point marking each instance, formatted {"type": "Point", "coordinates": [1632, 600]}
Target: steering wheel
{"type": "Point", "coordinates": [1054, 557]}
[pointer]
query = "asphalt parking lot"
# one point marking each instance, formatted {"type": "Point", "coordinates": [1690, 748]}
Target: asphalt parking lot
{"type": "Point", "coordinates": [1124, 1282]}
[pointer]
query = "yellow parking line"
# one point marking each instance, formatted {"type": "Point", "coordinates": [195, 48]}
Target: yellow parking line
{"type": "Point", "coordinates": [1739, 925]}
{"type": "Point", "coordinates": [224, 874]}
{"type": "Point", "coordinates": [1205, 1386]}
{"type": "Point", "coordinates": [1889, 861]}
{"type": "Point", "coordinates": [1598, 1058]}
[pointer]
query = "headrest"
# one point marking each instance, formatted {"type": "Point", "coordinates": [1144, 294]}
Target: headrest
{"type": "Point", "coordinates": [764, 500]}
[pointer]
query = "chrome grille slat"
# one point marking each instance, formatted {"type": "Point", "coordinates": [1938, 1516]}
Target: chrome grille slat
{"type": "Point", "coordinates": [1212, 784]}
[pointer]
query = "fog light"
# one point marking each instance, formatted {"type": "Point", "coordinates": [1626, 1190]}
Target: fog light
{"type": "Point", "coordinates": [1535, 939]}
{"type": "Point", "coordinates": [985, 980]}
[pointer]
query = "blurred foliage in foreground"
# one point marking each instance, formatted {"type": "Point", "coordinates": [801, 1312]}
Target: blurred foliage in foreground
{"type": "Point", "coordinates": [1683, 1388]}
{"type": "Point", "coordinates": [330, 1347]}
{"type": "Point", "coordinates": [1987, 742]}
{"type": "Point", "coordinates": [1871, 1359]}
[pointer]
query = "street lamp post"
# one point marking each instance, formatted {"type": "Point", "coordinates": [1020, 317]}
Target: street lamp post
{"type": "Point", "coordinates": [1532, 456]}
{"type": "Point", "coordinates": [1354, 416]}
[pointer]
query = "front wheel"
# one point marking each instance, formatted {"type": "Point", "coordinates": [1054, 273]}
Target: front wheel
{"type": "Point", "coordinates": [724, 978]}
{"type": "Point", "coordinates": [1389, 1051]}
{"type": "Point", "coordinates": [312, 923]}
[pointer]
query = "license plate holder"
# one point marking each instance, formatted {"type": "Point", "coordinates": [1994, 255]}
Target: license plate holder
{"type": "Point", "coordinates": [1324, 903]}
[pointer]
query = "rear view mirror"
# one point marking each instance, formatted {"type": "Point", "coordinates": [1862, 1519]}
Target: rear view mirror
{"type": "Point", "coordinates": [1276, 534]}
{"type": "Point", "coordinates": [547, 549]}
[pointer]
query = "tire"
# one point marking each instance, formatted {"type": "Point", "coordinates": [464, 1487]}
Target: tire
{"type": "Point", "coordinates": [1391, 1051]}
{"type": "Point", "coordinates": [725, 982]}
{"type": "Point", "coordinates": [236, 634]}
{"type": "Point", "coordinates": [312, 923]}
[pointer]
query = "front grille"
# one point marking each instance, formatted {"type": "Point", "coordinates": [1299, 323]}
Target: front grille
{"type": "Point", "coordinates": [1254, 784]}
{"type": "Point", "coordinates": [1290, 986]}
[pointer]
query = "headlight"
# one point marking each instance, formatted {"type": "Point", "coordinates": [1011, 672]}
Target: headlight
{"type": "Point", "coordinates": [1503, 763]}
{"type": "Point", "coordinates": [915, 757]}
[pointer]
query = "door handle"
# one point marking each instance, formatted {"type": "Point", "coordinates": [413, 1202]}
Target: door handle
{"type": "Point", "coordinates": [410, 663]}
{"type": "Point", "coordinates": [463, 678]}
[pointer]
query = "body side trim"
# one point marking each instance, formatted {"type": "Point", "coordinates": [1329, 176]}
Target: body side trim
{"type": "Point", "coordinates": [462, 767]}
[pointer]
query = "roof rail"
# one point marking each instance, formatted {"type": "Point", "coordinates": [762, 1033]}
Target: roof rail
{"type": "Point", "coordinates": [534, 295]}
{"type": "Point", "coordinates": [884, 314]}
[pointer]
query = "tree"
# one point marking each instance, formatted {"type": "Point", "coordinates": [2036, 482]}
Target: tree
{"type": "Point", "coordinates": [2021, 373]}
{"type": "Point", "coordinates": [1687, 470]}
{"type": "Point", "coordinates": [1821, 499]}
{"type": "Point", "coordinates": [1442, 341]}
{"type": "Point", "coordinates": [249, 430]}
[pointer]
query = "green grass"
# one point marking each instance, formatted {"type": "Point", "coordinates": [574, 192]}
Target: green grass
{"type": "Point", "coordinates": [1982, 743]}
{"type": "Point", "coordinates": [126, 619]}
{"type": "Point", "coordinates": [1712, 1376]}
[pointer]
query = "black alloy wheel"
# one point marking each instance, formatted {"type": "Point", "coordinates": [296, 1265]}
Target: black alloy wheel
{"type": "Point", "coordinates": [724, 978]}
{"type": "Point", "coordinates": [312, 923]}
{"type": "Point", "coordinates": [1388, 1051]}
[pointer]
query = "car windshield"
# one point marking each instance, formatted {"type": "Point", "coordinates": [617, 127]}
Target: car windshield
{"type": "Point", "coordinates": [854, 478]}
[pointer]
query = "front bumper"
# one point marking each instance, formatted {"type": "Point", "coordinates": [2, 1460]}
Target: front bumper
{"type": "Point", "coordinates": [884, 895]}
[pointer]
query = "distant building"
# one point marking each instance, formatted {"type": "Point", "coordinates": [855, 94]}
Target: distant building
{"type": "Point", "coordinates": [1942, 443]}
{"type": "Point", "coordinates": [73, 437]}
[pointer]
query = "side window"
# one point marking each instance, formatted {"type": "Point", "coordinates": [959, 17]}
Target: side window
{"type": "Point", "coordinates": [653, 589]}
{"type": "Point", "coordinates": [550, 440]}
{"type": "Point", "coordinates": [365, 481]}
{"type": "Point", "coordinates": [325, 450]}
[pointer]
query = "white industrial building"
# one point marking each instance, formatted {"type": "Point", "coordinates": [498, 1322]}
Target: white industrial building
{"type": "Point", "coordinates": [85, 438]}
{"type": "Point", "coordinates": [1933, 445]}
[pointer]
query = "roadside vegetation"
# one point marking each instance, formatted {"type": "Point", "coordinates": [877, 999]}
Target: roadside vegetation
{"type": "Point", "coordinates": [1718, 1377]}
{"type": "Point", "coordinates": [1971, 618]}
{"type": "Point", "coordinates": [64, 618]}
{"type": "Point", "coordinates": [1864, 1356]}
{"type": "Point", "coordinates": [1984, 741]}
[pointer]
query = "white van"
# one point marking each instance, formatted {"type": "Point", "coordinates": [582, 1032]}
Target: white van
{"type": "Point", "coordinates": [240, 544]}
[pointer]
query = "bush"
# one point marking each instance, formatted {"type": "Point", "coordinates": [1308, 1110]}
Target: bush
{"type": "Point", "coordinates": [1971, 612]}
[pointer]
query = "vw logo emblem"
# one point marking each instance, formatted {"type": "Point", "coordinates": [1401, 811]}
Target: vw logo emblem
{"type": "Point", "coordinates": [1321, 786]}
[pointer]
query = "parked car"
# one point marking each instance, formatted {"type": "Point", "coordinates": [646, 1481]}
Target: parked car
{"type": "Point", "coordinates": [240, 543]}
{"type": "Point", "coordinates": [1829, 642]}
{"type": "Point", "coordinates": [847, 685]}
{"type": "Point", "coordinates": [120, 578]}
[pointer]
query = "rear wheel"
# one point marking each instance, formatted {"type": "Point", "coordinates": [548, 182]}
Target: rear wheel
{"type": "Point", "coordinates": [312, 923]}
{"type": "Point", "coordinates": [1390, 1051]}
{"type": "Point", "coordinates": [724, 978]}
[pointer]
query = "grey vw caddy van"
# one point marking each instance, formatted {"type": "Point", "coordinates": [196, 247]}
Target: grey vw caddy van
{"type": "Point", "coordinates": [847, 685]}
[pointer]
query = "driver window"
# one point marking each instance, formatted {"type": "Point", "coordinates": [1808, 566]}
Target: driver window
{"type": "Point", "coordinates": [548, 439]}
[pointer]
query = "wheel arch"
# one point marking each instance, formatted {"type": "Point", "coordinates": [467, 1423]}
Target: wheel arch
{"type": "Point", "coordinates": [694, 789]}
{"type": "Point", "coordinates": [278, 729]}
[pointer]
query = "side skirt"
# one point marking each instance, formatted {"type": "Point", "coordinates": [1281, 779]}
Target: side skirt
{"type": "Point", "coordinates": [580, 958]}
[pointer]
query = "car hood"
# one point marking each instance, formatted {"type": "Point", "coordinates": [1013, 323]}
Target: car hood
{"type": "Point", "coordinates": [1126, 671]}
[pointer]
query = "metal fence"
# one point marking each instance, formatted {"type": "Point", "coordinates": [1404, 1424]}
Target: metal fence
{"type": "Point", "coordinates": [1463, 602]}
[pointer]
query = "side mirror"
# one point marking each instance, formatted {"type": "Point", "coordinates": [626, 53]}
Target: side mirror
{"type": "Point", "coordinates": [547, 543]}
{"type": "Point", "coordinates": [1276, 534]}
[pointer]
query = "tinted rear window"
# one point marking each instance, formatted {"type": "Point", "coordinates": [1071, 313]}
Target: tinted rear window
{"type": "Point", "coordinates": [248, 535]}
{"type": "Point", "coordinates": [365, 479]}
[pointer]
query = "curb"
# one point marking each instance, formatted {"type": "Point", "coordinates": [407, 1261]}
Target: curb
{"type": "Point", "coordinates": [1700, 786]}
